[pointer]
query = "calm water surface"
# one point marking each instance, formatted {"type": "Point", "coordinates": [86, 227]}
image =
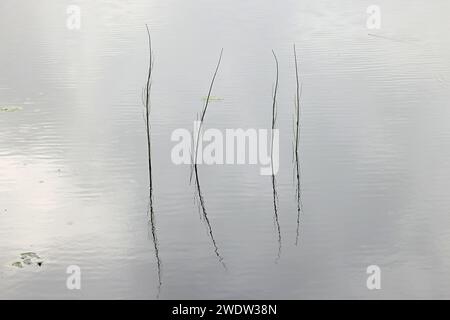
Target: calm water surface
{"type": "Point", "coordinates": [375, 149]}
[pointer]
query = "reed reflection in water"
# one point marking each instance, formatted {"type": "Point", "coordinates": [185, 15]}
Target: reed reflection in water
{"type": "Point", "coordinates": [146, 101]}
{"type": "Point", "coordinates": [274, 188]}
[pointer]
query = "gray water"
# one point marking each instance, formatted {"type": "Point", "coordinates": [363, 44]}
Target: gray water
{"type": "Point", "coordinates": [374, 149]}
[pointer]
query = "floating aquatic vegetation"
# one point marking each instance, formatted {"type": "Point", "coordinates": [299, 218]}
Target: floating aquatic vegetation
{"type": "Point", "coordinates": [29, 255]}
{"type": "Point", "coordinates": [10, 108]}
{"type": "Point", "coordinates": [213, 98]}
{"type": "Point", "coordinates": [28, 259]}
{"type": "Point", "coordinates": [27, 262]}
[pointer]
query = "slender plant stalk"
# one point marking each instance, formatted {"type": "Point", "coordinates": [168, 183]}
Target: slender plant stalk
{"type": "Point", "coordinates": [147, 111]}
{"type": "Point", "coordinates": [147, 123]}
{"type": "Point", "coordinates": [297, 103]}
{"type": "Point", "coordinates": [274, 107]}
{"type": "Point", "coordinates": [197, 180]}
{"type": "Point", "coordinates": [206, 105]}
{"type": "Point", "coordinates": [297, 137]}
{"type": "Point", "coordinates": [274, 190]}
